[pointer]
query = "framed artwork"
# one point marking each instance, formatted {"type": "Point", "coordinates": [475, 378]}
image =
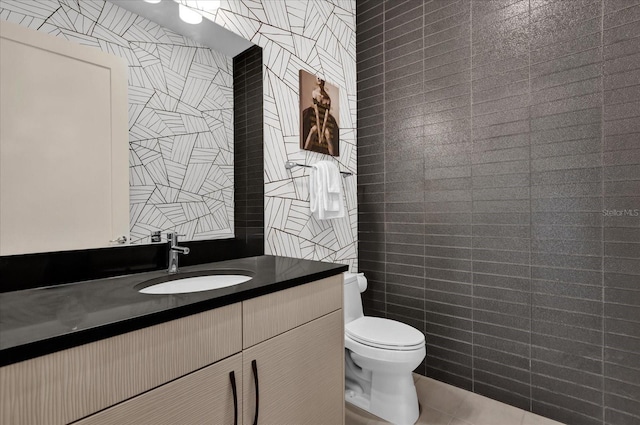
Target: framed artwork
{"type": "Point", "coordinates": [319, 115]}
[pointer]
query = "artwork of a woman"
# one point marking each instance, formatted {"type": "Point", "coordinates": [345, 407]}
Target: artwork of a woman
{"type": "Point", "coordinates": [319, 128]}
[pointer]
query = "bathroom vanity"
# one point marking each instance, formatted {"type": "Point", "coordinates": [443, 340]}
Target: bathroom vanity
{"type": "Point", "coordinates": [268, 351]}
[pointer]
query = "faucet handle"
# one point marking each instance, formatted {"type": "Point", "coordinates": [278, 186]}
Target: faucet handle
{"type": "Point", "coordinates": [120, 240]}
{"type": "Point", "coordinates": [173, 237]}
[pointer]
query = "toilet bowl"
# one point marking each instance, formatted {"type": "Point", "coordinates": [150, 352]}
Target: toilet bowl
{"type": "Point", "coordinates": [380, 356]}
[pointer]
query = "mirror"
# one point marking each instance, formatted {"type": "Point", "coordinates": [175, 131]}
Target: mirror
{"type": "Point", "coordinates": [180, 115]}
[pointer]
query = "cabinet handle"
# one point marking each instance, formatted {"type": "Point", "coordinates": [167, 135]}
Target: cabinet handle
{"type": "Point", "coordinates": [254, 366]}
{"type": "Point", "coordinates": [232, 377]}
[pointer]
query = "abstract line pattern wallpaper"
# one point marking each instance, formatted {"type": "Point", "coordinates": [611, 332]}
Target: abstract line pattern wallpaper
{"type": "Point", "coordinates": [316, 36]}
{"type": "Point", "coordinates": [180, 114]}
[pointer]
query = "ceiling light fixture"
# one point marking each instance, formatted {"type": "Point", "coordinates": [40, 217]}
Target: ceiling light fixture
{"type": "Point", "coordinates": [192, 11]}
{"type": "Point", "coordinates": [189, 15]}
{"type": "Point", "coordinates": [153, 1]}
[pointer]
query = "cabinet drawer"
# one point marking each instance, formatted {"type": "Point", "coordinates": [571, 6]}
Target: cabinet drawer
{"type": "Point", "coordinates": [270, 315]}
{"type": "Point", "coordinates": [68, 385]}
{"type": "Point", "coordinates": [202, 397]}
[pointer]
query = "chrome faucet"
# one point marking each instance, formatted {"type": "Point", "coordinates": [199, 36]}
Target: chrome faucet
{"type": "Point", "coordinates": [174, 250]}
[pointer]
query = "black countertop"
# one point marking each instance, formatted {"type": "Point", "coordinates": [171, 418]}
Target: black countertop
{"type": "Point", "coordinates": [40, 321]}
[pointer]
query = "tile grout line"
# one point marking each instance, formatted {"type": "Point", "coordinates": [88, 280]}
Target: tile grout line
{"type": "Point", "coordinates": [530, 221]}
{"type": "Point", "coordinates": [602, 246]}
{"type": "Point", "coordinates": [473, 369]}
{"type": "Point", "coordinates": [424, 200]}
{"type": "Point", "coordinates": [384, 152]}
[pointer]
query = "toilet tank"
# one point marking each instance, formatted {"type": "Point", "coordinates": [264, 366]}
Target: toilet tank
{"type": "Point", "coordinates": [354, 283]}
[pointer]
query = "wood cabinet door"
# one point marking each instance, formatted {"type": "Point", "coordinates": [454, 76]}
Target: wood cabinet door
{"type": "Point", "coordinates": [300, 375]}
{"type": "Point", "coordinates": [202, 397]}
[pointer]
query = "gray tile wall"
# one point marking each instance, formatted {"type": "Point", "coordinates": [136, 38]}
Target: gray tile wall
{"type": "Point", "coordinates": [492, 135]}
{"type": "Point", "coordinates": [249, 150]}
{"type": "Point", "coordinates": [621, 190]}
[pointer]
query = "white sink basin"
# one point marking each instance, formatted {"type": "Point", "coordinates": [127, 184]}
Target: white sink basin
{"type": "Point", "coordinates": [195, 284]}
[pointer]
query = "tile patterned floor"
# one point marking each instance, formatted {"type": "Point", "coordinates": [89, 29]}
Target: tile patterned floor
{"type": "Point", "coordinates": [443, 404]}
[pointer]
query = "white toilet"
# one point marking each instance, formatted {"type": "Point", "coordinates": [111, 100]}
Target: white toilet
{"type": "Point", "coordinates": [380, 355]}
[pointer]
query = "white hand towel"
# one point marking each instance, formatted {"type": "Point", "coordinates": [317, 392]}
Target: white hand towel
{"type": "Point", "coordinates": [325, 190]}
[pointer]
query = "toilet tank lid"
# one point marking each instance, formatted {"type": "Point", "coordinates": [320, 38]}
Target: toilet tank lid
{"type": "Point", "coordinates": [356, 277]}
{"type": "Point", "coordinates": [351, 277]}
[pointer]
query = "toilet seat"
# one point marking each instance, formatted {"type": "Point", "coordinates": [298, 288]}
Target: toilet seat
{"type": "Point", "coordinates": [384, 333]}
